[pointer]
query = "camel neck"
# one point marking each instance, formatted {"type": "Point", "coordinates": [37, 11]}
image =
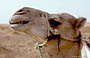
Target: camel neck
{"type": "Point", "coordinates": [67, 49]}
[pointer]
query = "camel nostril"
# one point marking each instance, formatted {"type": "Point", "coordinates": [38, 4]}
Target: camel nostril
{"type": "Point", "coordinates": [10, 21]}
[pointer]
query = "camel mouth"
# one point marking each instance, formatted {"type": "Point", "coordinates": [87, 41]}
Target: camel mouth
{"type": "Point", "coordinates": [19, 22]}
{"type": "Point", "coordinates": [19, 19]}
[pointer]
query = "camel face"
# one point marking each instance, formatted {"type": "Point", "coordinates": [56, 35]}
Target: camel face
{"type": "Point", "coordinates": [30, 21]}
{"type": "Point", "coordinates": [67, 25]}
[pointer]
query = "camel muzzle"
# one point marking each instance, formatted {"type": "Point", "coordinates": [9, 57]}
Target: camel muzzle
{"type": "Point", "coordinates": [19, 19]}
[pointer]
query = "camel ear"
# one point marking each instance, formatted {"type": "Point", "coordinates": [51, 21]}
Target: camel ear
{"type": "Point", "coordinates": [81, 22]}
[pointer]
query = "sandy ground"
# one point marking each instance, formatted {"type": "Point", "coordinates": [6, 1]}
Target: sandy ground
{"type": "Point", "coordinates": [19, 45]}
{"type": "Point", "coordinates": [86, 30]}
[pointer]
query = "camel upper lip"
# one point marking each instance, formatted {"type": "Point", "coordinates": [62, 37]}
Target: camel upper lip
{"type": "Point", "coordinates": [19, 19]}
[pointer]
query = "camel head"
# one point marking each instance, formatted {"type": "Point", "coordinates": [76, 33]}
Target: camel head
{"type": "Point", "coordinates": [33, 21]}
{"type": "Point", "coordinates": [67, 25]}
{"type": "Point", "coordinates": [30, 21]}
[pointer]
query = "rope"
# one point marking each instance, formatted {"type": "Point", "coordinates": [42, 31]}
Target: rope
{"type": "Point", "coordinates": [39, 45]}
{"type": "Point", "coordinates": [49, 28]}
{"type": "Point", "coordinates": [39, 49]}
{"type": "Point", "coordinates": [55, 32]}
{"type": "Point", "coordinates": [58, 43]}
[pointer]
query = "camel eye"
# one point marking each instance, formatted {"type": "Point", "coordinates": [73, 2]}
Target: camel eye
{"type": "Point", "coordinates": [54, 23]}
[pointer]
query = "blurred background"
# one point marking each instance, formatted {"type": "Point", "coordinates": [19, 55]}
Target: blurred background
{"type": "Point", "coordinates": [77, 8]}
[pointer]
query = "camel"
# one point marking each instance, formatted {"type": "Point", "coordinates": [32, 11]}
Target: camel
{"type": "Point", "coordinates": [40, 26]}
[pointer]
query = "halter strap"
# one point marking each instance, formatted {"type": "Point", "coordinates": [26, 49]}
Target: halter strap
{"type": "Point", "coordinates": [58, 36]}
{"type": "Point", "coordinates": [78, 38]}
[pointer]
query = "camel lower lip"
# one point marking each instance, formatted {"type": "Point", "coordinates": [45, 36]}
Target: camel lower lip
{"type": "Point", "coordinates": [13, 25]}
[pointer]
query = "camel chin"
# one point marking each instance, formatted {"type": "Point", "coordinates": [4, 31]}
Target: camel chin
{"type": "Point", "coordinates": [19, 23]}
{"type": "Point", "coordinates": [18, 27]}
